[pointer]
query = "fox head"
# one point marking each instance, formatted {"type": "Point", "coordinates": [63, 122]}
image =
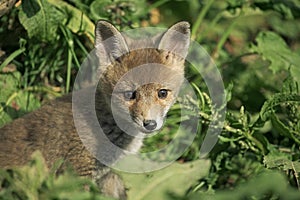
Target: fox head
{"type": "Point", "coordinates": [140, 79]}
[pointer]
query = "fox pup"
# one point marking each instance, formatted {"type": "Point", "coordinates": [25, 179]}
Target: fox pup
{"type": "Point", "coordinates": [142, 106]}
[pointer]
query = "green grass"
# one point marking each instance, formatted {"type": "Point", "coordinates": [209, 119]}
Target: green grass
{"type": "Point", "coordinates": [255, 45]}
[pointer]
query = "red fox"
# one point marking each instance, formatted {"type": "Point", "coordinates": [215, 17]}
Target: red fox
{"type": "Point", "coordinates": [142, 106]}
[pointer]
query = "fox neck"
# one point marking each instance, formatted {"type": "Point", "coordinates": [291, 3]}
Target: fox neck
{"type": "Point", "coordinates": [131, 142]}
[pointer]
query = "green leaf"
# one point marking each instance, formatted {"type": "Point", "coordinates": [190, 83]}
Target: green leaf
{"type": "Point", "coordinates": [290, 86]}
{"type": "Point", "coordinates": [276, 159]}
{"type": "Point", "coordinates": [36, 181]}
{"type": "Point", "coordinates": [176, 179]}
{"type": "Point", "coordinates": [274, 49]}
{"type": "Point", "coordinates": [268, 107]}
{"type": "Point", "coordinates": [14, 102]}
{"type": "Point", "coordinates": [279, 160]}
{"type": "Point", "coordinates": [78, 22]}
{"type": "Point", "coordinates": [40, 19]}
{"type": "Point", "coordinates": [268, 112]}
{"type": "Point", "coordinates": [284, 129]}
{"type": "Point", "coordinates": [268, 185]}
{"type": "Point", "coordinates": [289, 9]}
{"type": "Point", "coordinates": [100, 9]}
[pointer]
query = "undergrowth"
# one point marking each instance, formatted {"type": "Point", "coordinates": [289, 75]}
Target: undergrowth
{"type": "Point", "coordinates": [254, 44]}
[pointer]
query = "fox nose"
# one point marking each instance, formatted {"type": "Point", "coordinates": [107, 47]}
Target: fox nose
{"type": "Point", "coordinates": [150, 125]}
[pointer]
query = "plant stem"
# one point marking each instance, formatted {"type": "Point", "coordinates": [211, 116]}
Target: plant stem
{"type": "Point", "coordinates": [225, 36]}
{"type": "Point", "coordinates": [200, 95]}
{"type": "Point", "coordinates": [223, 40]}
{"type": "Point", "coordinates": [200, 18]}
{"type": "Point", "coordinates": [208, 29]}
{"type": "Point", "coordinates": [69, 67]}
{"type": "Point", "coordinates": [11, 57]}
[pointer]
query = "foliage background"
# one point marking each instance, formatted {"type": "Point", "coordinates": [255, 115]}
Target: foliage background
{"type": "Point", "coordinates": [255, 45]}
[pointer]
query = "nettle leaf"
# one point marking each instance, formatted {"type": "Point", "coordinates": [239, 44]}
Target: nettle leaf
{"type": "Point", "coordinates": [276, 159]}
{"type": "Point", "coordinates": [282, 161]}
{"type": "Point", "coordinates": [287, 8]}
{"type": "Point", "coordinates": [77, 22]}
{"type": "Point", "coordinates": [14, 103]}
{"type": "Point", "coordinates": [274, 49]}
{"type": "Point", "coordinates": [284, 129]}
{"type": "Point", "coordinates": [267, 185]}
{"type": "Point", "coordinates": [36, 181]}
{"type": "Point", "coordinates": [175, 179]}
{"type": "Point", "coordinates": [268, 107]}
{"type": "Point", "coordinates": [268, 112]}
{"type": "Point", "coordinates": [290, 86]}
{"type": "Point", "coordinates": [40, 19]}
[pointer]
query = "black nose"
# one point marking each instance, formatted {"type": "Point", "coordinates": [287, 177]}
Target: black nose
{"type": "Point", "coordinates": [150, 125]}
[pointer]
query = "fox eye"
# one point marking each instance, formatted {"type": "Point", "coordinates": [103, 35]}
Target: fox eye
{"type": "Point", "coordinates": [163, 93]}
{"type": "Point", "coordinates": [129, 95]}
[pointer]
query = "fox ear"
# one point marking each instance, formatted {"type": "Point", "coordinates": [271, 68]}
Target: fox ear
{"type": "Point", "coordinates": [176, 39]}
{"type": "Point", "coordinates": [109, 42]}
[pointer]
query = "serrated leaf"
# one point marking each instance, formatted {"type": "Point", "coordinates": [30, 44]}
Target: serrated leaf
{"type": "Point", "coordinates": [14, 102]}
{"type": "Point", "coordinates": [288, 8]}
{"type": "Point", "coordinates": [78, 22]}
{"type": "Point", "coordinates": [277, 99]}
{"type": "Point", "coordinates": [276, 159]}
{"type": "Point", "coordinates": [176, 179]}
{"type": "Point", "coordinates": [283, 129]}
{"type": "Point", "coordinates": [268, 112]}
{"type": "Point", "coordinates": [30, 177]}
{"type": "Point", "coordinates": [36, 181]}
{"type": "Point", "coordinates": [260, 187]}
{"type": "Point", "coordinates": [290, 86]}
{"type": "Point", "coordinates": [40, 19]}
{"type": "Point", "coordinates": [274, 49]}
